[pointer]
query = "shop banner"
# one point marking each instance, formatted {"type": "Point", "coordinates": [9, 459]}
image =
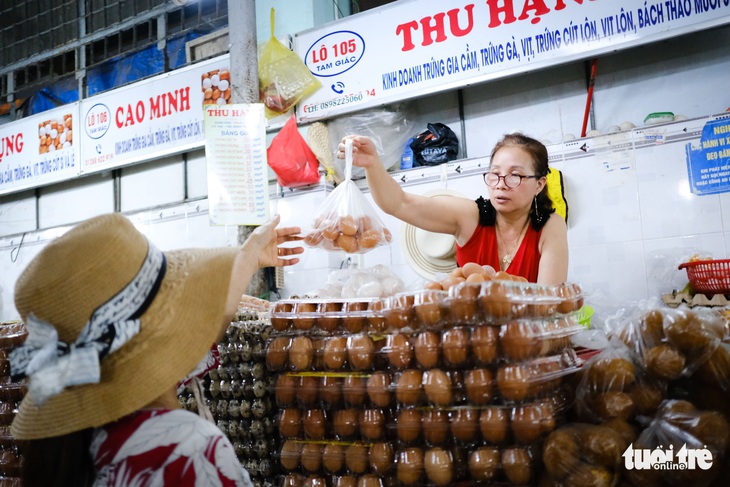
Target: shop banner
{"type": "Point", "coordinates": [412, 48]}
{"type": "Point", "coordinates": [153, 118]}
{"type": "Point", "coordinates": [235, 151]}
{"type": "Point", "coordinates": [708, 165]}
{"type": "Point", "coordinates": [39, 150]}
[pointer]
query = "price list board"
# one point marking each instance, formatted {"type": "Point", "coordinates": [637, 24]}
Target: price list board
{"type": "Point", "coordinates": [235, 150]}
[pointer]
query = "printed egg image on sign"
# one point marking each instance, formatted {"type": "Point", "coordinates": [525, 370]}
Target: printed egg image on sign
{"type": "Point", "coordinates": [335, 53]}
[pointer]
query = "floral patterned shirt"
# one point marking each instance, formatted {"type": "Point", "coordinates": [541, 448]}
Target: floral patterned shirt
{"type": "Point", "coordinates": [162, 447]}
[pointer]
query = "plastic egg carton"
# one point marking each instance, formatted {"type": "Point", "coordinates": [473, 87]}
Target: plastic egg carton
{"type": "Point", "coordinates": [321, 316]}
{"type": "Point", "coordinates": [501, 301]}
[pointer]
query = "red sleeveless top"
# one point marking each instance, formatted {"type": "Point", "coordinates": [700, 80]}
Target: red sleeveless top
{"type": "Point", "coordinates": [482, 249]}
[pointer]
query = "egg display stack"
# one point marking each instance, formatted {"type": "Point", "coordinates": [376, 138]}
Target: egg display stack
{"type": "Point", "coordinates": [240, 397]}
{"type": "Point", "coordinates": [11, 335]}
{"type": "Point", "coordinates": [421, 388]}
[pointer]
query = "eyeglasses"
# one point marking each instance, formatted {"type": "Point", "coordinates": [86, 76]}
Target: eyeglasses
{"type": "Point", "coordinates": [510, 180]}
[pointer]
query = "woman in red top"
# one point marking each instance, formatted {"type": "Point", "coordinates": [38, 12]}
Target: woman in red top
{"type": "Point", "coordinates": [515, 230]}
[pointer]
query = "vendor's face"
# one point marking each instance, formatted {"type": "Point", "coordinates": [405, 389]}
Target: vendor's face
{"type": "Point", "coordinates": [515, 161]}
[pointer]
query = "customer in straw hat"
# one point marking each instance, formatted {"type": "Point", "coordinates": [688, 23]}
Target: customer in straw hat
{"type": "Point", "coordinates": [113, 325]}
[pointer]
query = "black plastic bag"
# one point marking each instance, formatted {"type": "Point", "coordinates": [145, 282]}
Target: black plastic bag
{"type": "Point", "coordinates": [435, 146]}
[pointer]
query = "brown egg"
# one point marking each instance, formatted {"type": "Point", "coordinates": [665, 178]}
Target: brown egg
{"type": "Point", "coordinates": [520, 340]}
{"type": "Point", "coordinates": [479, 385]}
{"type": "Point", "coordinates": [427, 349]}
{"type": "Point", "coordinates": [526, 423]}
{"type": "Point", "coordinates": [329, 230]}
{"type": "Point", "coordinates": [369, 481]}
{"type": "Point", "coordinates": [354, 390]}
{"type": "Point", "coordinates": [472, 268]}
{"type": "Point", "coordinates": [356, 458]}
{"type": "Point", "coordinates": [493, 424]}
{"type": "Point", "coordinates": [464, 424]}
{"type": "Point", "coordinates": [347, 243]}
{"type": "Point", "coordinates": [290, 422]}
{"type": "Point", "coordinates": [514, 381]}
{"type": "Point", "coordinates": [517, 465]}
{"type": "Point", "coordinates": [313, 238]}
{"type": "Point", "coordinates": [408, 425]}
{"type": "Point", "coordinates": [345, 423]}
{"type": "Point", "coordinates": [335, 352]}
{"type": "Point", "coordinates": [285, 390]}
{"type": "Point", "coordinates": [455, 346]}
{"type": "Point", "coordinates": [378, 387]}
{"type": "Point", "coordinates": [399, 350]}
{"type": "Point", "coordinates": [301, 353]}
{"type": "Point", "coordinates": [311, 458]}
{"type": "Point", "coordinates": [305, 315]}
{"type": "Point", "coordinates": [439, 466]}
{"type": "Point", "coordinates": [314, 424]}
{"type": "Point", "coordinates": [484, 464]}
{"type": "Point", "coordinates": [329, 319]}
{"type": "Point", "coordinates": [372, 424]}
{"type": "Point", "coordinates": [277, 353]}
{"type": "Point", "coordinates": [333, 457]}
{"type": "Point", "coordinates": [290, 452]}
{"type": "Point", "coordinates": [307, 392]}
{"type": "Point", "coordinates": [437, 386]}
{"type": "Point", "coordinates": [348, 225]}
{"type": "Point", "coordinates": [280, 316]}
{"type": "Point", "coordinates": [381, 457]}
{"type": "Point", "coordinates": [360, 352]}
{"type": "Point", "coordinates": [435, 425]}
{"type": "Point", "coordinates": [355, 315]}
{"type": "Point", "coordinates": [330, 391]}
{"type": "Point", "coordinates": [399, 311]}
{"type": "Point", "coordinates": [376, 320]}
{"type": "Point", "coordinates": [408, 387]}
{"type": "Point", "coordinates": [369, 239]}
{"type": "Point", "coordinates": [409, 465]}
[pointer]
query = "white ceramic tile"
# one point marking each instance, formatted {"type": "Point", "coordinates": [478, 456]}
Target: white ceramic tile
{"type": "Point", "coordinates": [616, 269]}
{"type": "Point", "coordinates": [603, 199]}
{"type": "Point", "coordinates": [668, 209]}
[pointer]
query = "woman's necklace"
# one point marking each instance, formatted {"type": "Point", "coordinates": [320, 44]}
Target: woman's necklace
{"type": "Point", "coordinates": [510, 252]}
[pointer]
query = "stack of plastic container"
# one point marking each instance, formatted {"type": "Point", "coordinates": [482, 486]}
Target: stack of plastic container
{"type": "Point", "coordinates": [12, 334]}
{"type": "Point", "coordinates": [422, 388]}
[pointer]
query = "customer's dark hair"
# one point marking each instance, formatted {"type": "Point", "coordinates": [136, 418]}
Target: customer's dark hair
{"type": "Point", "coordinates": [60, 461]}
{"type": "Point", "coordinates": [540, 212]}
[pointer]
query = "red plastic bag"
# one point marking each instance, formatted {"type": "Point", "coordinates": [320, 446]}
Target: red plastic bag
{"type": "Point", "coordinates": [291, 159]}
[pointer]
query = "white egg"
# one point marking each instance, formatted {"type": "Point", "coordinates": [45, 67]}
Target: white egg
{"type": "Point", "coordinates": [207, 83]}
{"type": "Point", "coordinates": [627, 125]}
{"type": "Point", "coordinates": [223, 85]}
{"type": "Point", "coordinates": [370, 290]}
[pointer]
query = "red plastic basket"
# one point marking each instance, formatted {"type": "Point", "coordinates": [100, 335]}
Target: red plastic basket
{"type": "Point", "coordinates": [709, 276]}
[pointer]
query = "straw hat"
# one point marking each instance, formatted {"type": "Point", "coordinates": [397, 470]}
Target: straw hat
{"type": "Point", "coordinates": [430, 253]}
{"type": "Point", "coordinates": [77, 273]}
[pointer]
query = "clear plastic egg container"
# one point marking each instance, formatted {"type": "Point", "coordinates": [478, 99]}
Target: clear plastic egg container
{"type": "Point", "coordinates": [413, 311]}
{"type": "Point", "coordinates": [500, 301]}
{"type": "Point", "coordinates": [464, 426]}
{"type": "Point", "coordinates": [321, 316]}
{"type": "Point", "coordinates": [470, 346]}
{"type": "Point", "coordinates": [12, 334]}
